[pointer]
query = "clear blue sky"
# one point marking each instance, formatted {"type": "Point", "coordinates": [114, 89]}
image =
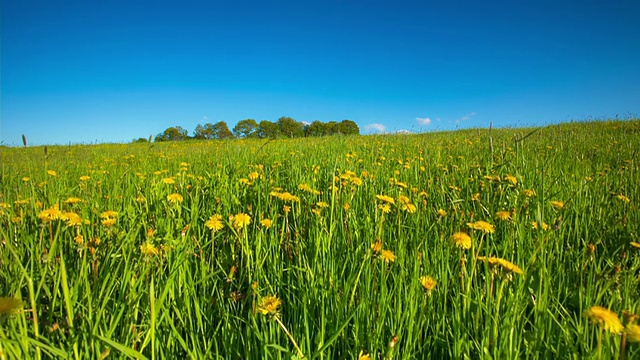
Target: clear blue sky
{"type": "Point", "coordinates": [109, 71]}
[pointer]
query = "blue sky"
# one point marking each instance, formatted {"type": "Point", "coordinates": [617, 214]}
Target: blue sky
{"type": "Point", "coordinates": [111, 71]}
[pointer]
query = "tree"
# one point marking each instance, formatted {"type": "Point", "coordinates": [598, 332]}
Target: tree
{"type": "Point", "coordinates": [173, 133]}
{"type": "Point", "coordinates": [289, 127]}
{"type": "Point", "coordinates": [331, 128]}
{"type": "Point", "coordinates": [204, 132]}
{"type": "Point", "coordinates": [267, 129]}
{"type": "Point", "coordinates": [221, 131]}
{"type": "Point", "coordinates": [316, 128]}
{"type": "Point", "coordinates": [246, 128]}
{"type": "Point", "coordinates": [348, 127]}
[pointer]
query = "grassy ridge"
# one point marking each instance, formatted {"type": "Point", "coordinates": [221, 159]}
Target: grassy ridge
{"type": "Point", "coordinates": [110, 249]}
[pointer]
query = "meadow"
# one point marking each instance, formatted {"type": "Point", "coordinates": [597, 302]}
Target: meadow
{"type": "Point", "coordinates": [503, 244]}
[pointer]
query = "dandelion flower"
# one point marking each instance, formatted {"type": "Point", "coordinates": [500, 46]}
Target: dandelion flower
{"type": "Point", "coordinates": [376, 246]}
{"type": "Point", "coordinates": [442, 213]}
{"type": "Point", "coordinates": [633, 333]}
{"type": "Point", "coordinates": [512, 179]}
{"type": "Point", "coordinates": [50, 214]}
{"type": "Point", "coordinates": [169, 180]}
{"type": "Point", "coordinates": [214, 223]}
{"type": "Point", "coordinates": [635, 244]}
{"type": "Point", "coordinates": [52, 173]}
{"type": "Point", "coordinates": [84, 178]}
{"type": "Point", "coordinates": [387, 256]}
{"type": "Point", "coordinates": [605, 318]}
{"type": "Point", "coordinates": [505, 265]}
{"type": "Point", "coordinates": [461, 240]}
{"type": "Point", "coordinates": [72, 200]}
{"type": "Point", "coordinates": [73, 219]}
{"type": "Point", "coordinates": [482, 226]}
{"type": "Point", "coordinates": [528, 192]}
{"type": "Point", "coordinates": [241, 220]}
{"type": "Point", "coordinates": [386, 199]}
{"type": "Point", "coordinates": [148, 249]}
{"type": "Point", "coordinates": [269, 305]}
{"type": "Point", "coordinates": [503, 215]}
{"type": "Point", "coordinates": [266, 223]}
{"type": "Point", "coordinates": [108, 214]}
{"type": "Point", "coordinates": [363, 356]}
{"type": "Point", "coordinates": [428, 283]}
{"type": "Point", "coordinates": [386, 208]}
{"type": "Point", "coordinates": [9, 305]}
{"type": "Point", "coordinates": [322, 204]}
{"type": "Point", "coordinates": [108, 222]}
{"type": "Point", "coordinates": [174, 198]}
{"type": "Point", "coordinates": [79, 239]}
{"type": "Point", "coordinates": [623, 198]}
{"type": "Point", "coordinates": [26, 178]}
{"type": "Point", "coordinates": [557, 204]}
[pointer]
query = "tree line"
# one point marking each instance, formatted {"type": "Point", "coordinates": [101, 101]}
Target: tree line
{"type": "Point", "coordinates": [250, 128]}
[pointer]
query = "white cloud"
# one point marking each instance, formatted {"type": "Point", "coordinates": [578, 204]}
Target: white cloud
{"type": "Point", "coordinates": [403, 132]}
{"type": "Point", "coordinates": [424, 121]}
{"type": "Point", "coordinates": [466, 117]}
{"type": "Point", "coordinates": [375, 128]}
{"type": "Point", "coordinates": [305, 123]}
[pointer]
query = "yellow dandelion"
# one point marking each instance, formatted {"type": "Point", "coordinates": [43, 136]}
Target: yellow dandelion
{"type": "Point", "coordinates": [376, 246]}
{"type": "Point", "coordinates": [84, 178]}
{"type": "Point", "coordinates": [26, 178]}
{"type": "Point", "coordinates": [503, 215]}
{"type": "Point", "coordinates": [253, 175]}
{"type": "Point", "coordinates": [175, 198]}
{"type": "Point", "coordinates": [635, 244]}
{"type": "Point", "coordinates": [461, 240]}
{"type": "Point", "coordinates": [363, 356]}
{"type": "Point", "coordinates": [482, 226]}
{"type": "Point", "coordinates": [286, 209]}
{"type": "Point", "coordinates": [214, 223]}
{"type": "Point", "coordinates": [108, 222]}
{"type": "Point", "coordinates": [73, 200]}
{"type": "Point", "coordinates": [386, 199]}
{"type": "Point", "coordinates": [169, 180]}
{"type": "Point", "coordinates": [605, 318]}
{"type": "Point", "coordinates": [346, 206]}
{"type": "Point", "coordinates": [428, 283]}
{"type": "Point", "coordinates": [266, 223]}
{"type": "Point", "coordinates": [387, 256]}
{"type": "Point", "coordinates": [633, 333]}
{"type": "Point", "coordinates": [52, 173]}
{"type": "Point", "coordinates": [241, 220]}
{"type": "Point", "coordinates": [512, 179]}
{"type": "Point", "coordinates": [269, 305]}
{"type": "Point", "coordinates": [505, 265]}
{"type": "Point", "coordinates": [9, 305]}
{"type": "Point", "coordinates": [50, 214]}
{"type": "Point", "coordinates": [322, 204]}
{"type": "Point", "coordinates": [623, 198]}
{"type": "Point", "coordinates": [442, 213]}
{"type": "Point", "coordinates": [557, 204]}
{"type": "Point", "coordinates": [109, 214]}
{"type": "Point", "coordinates": [386, 208]}
{"type": "Point", "coordinates": [147, 249]}
{"type": "Point", "coordinates": [79, 239]}
{"type": "Point", "coordinates": [73, 219]}
{"type": "Point", "coordinates": [528, 192]}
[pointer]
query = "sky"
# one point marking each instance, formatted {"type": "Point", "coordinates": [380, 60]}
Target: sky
{"type": "Point", "coordinates": [87, 71]}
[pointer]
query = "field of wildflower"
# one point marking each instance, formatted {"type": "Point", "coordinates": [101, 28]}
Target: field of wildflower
{"type": "Point", "coordinates": [503, 243]}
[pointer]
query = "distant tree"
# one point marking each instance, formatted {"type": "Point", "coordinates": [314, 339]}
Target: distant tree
{"type": "Point", "coordinates": [348, 127]}
{"type": "Point", "coordinates": [331, 128]}
{"type": "Point", "coordinates": [173, 133]}
{"type": "Point", "coordinates": [140, 140]}
{"type": "Point", "coordinates": [246, 128]}
{"type": "Point", "coordinates": [316, 128]}
{"type": "Point", "coordinates": [267, 129]}
{"type": "Point", "coordinates": [205, 131]}
{"type": "Point", "coordinates": [289, 127]}
{"type": "Point", "coordinates": [221, 131]}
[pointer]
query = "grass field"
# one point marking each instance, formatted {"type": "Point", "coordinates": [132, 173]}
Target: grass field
{"type": "Point", "coordinates": [510, 243]}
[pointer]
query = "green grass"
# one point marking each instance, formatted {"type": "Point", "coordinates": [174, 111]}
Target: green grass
{"type": "Point", "coordinates": [199, 295]}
